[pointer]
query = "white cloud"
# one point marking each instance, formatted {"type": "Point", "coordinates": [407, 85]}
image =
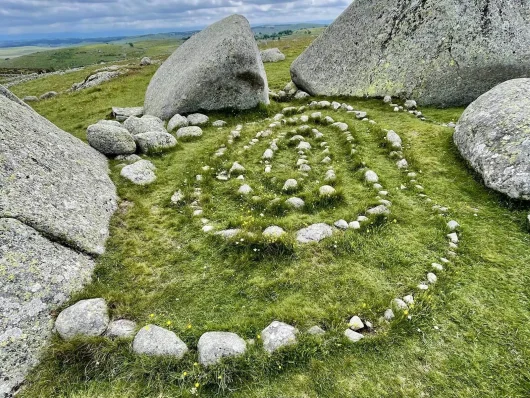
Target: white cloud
{"type": "Point", "coordinates": [23, 17]}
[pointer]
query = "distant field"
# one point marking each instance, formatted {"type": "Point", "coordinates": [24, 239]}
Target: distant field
{"type": "Point", "coordinates": [72, 57]}
{"type": "Point", "coordinates": [13, 52]}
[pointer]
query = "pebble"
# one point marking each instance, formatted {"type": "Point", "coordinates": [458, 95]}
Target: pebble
{"type": "Point", "coordinates": [431, 278]}
{"type": "Point", "coordinates": [371, 176]}
{"type": "Point", "coordinates": [341, 224]}
{"type": "Point", "coordinates": [356, 323]}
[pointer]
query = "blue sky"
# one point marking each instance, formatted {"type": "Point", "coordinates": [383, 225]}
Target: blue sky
{"type": "Point", "coordinates": [93, 18]}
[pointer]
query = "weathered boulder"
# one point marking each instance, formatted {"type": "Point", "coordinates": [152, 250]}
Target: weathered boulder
{"type": "Point", "coordinates": [52, 181]}
{"type": "Point", "coordinates": [189, 132]}
{"type": "Point", "coordinates": [157, 341]}
{"type": "Point", "coordinates": [493, 135]}
{"type": "Point", "coordinates": [278, 335]}
{"type": "Point", "coordinates": [197, 119]}
{"type": "Point", "coordinates": [214, 346]}
{"type": "Point", "coordinates": [155, 141]}
{"type": "Point", "coordinates": [217, 68]}
{"type": "Point", "coordinates": [110, 139]}
{"type": "Point", "coordinates": [84, 318]}
{"type": "Point", "coordinates": [55, 206]}
{"type": "Point", "coordinates": [177, 122]}
{"type": "Point", "coordinates": [42, 275]}
{"type": "Point", "coordinates": [439, 52]}
{"type": "Point", "coordinates": [144, 124]}
{"type": "Point", "coordinates": [272, 55]}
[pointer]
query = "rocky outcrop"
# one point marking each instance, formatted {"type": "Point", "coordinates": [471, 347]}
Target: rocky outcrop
{"type": "Point", "coordinates": [493, 135]}
{"type": "Point", "coordinates": [95, 80]}
{"type": "Point", "coordinates": [440, 53]}
{"type": "Point", "coordinates": [56, 199]}
{"type": "Point", "coordinates": [217, 68]}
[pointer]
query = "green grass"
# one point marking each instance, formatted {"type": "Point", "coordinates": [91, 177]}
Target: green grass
{"type": "Point", "coordinates": [159, 267]}
{"type": "Point", "coordinates": [72, 57]}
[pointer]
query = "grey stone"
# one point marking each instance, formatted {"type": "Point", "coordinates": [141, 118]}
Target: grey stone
{"type": "Point", "coordinates": [48, 95]}
{"type": "Point", "coordinates": [394, 140]}
{"type": "Point", "coordinates": [10, 96]}
{"type": "Point", "coordinates": [128, 158]}
{"type": "Point", "coordinates": [197, 119]}
{"type": "Point", "coordinates": [38, 275]}
{"type": "Point", "coordinates": [217, 68]}
{"type": "Point", "coordinates": [341, 224]}
{"type": "Point", "coordinates": [411, 49]}
{"type": "Point", "coordinates": [389, 314]}
{"type": "Point", "coordinates": [452, 225]}
{"type": "Point", "coordinates": [122, 114]}
{"type": "Point", "coordinates": [139, 173]}
{"type": "Point", "coordinates": [84, 318]}
{"type": "Point", "coordinates": [219, 123]}
{"type": "Point", "coordinates": [354, 337]}
{"type": "Point", "coordinates": [121, 328]}
{"type": "Point", "coordinates": [145, 61]}
{"type": "Point", "coordinates": [290, 185]}
{"type": "Point", "coordinates": [110, 140]}
{"type": "Point", "coordinates": [316, 331]}
{"type": "Point", "coordinates": [295, 203]}
{"type": "Point", "coordinates": [272, 55]}
{"type": "Point", "coordinates": [214, 346]}
{"type": "Point", "coordinates": [237, 168]}
{"type": "Point", "coordinates": [95, 80]}
{"type": "Point", "coordinates": [30, 98]}
{"type": "Point", "coordinates": [156, 341]}
{"type": "Point", "coordinates": [326, 190]}
{"type": "Point", "coordinates": [268, 154]}
{"type": "Point", "coordinates": [189, 132]}
{"type": "Point", "coordinates": [301, 95]}
{"type": "Point", "coordinates": [177, 122]}
{"type": "Point", "coordinates": [371, 176]}
{"type": "Point", "coordinates": [144, 124]}
{"type": "Point", "coordinates": [278, 335]}
{"type": "Point", "coordinates": [387, 99]}
{"type": "Point", "coordinates": [314, 233]}
{"type": "Point", "coordinates": [244, 189]}
{"type": "Point", "coordinates": [228, 233]}
{"type": "Point", "coordinates": [411, 104]}
{"type": "Point", "coordinates": [154, 141]}
{"type": "Point", "coordinates": [52, 181]}
{"type": "Point", "coordinates": [381, 209]}
{"type": "Point", "coordinates": [273, 232]}
{"type": "Point", "coordinates": [493, 135]}
{"type": "Point", "coordinates": [356, 323]}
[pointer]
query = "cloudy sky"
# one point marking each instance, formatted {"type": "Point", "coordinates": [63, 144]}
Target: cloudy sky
{"type": "Point", "coordinates": [74, 18]}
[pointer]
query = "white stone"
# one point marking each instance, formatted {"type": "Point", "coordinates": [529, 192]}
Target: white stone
{"type": "Point", "coordinates": [340, 126]}
{"type": "Point", "coordinates": [355, 225]}
{"type": "Point", "coordinates": [452, 225]}
{"type": "Point", "coordinates": [438, 267]}
{"type": "Point", "coordinates": [409, 299]}
{"type": "Point", "coordinates": [290, 184]}
{"type": "Point", "coordinates": [214, 346]}
{"type": "Point", "coordinates": [245, 189]}
{"type": "Point", "coordinates": [341, 224]}
{"type": "Point", "coordinates": [296, 203]}
{"type": "Point", "coordinates": [402, 164]}
{"type": "Point", "coordinates": [278, 335]}
{"type": "Point", "coordinates": [371, 176]}
{"type": "Point", "coordinates": [356, 323]}
{"type": "Point", "coordinates": [273, 232]}
{"type": "Point", "coordinates": [326, 190]}
{"type": "Point", "coordinates": [431, 278]}
{"type": "Point", "coordinates": [236, 167]}
{"type": "Point", "coordinates": [389, 314]}
{"type": "Point", "coordinates": [453, 237]}
{"type": "Point", "coordinates": [400, 304]}
{"type": "Point", "coordinates": [353, 336]}
{"type": "Point", "coordinates": [268, 154]}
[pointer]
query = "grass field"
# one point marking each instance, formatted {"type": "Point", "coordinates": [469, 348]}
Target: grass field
{"type": "Point", "coordinates": [468, 336]}
{"type": "Point", "coordinates": [73, 57]}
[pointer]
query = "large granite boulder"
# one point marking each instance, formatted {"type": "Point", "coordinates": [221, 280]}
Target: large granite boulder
{"type": "Point", "coordinates": [217, 68]}
{"type": "Point", "coordinates": [56, 199]}
{"type": "Point", "coordinates": [439, 52]}
{"type": "Point", "coordinates": [493, 135]}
